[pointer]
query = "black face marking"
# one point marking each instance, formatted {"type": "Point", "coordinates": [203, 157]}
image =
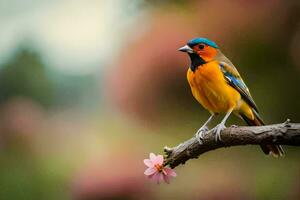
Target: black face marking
{"type": "Point", "coordinates": [196, 61]}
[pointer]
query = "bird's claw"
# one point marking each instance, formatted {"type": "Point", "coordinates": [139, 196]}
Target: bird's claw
{"type": "Point", "coordinates": [200, 134]}
{"type": "Point", "coordinates": [217, 130]}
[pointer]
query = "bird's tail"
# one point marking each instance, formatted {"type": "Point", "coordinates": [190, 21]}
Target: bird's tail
{"type": "Point", "coordinates": [275, 150]}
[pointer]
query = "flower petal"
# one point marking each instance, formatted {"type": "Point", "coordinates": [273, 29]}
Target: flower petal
{"type": "Point", "coordinates": [150, 171]}
{"type": "Point", "coordinates": [158, 177]}
{"type": "Point", "coordinates": [156, 171]}
{"type": "Point", "coordinates": [166, 179]}
{"type": "Point", "coordinates": [148, 163]}
{"type": "Point", "coordinates": [152, 157]}
{"type": "Point", "coordinates": [170, 172]}
{"type": "Point", "coordinates": [158, 160]}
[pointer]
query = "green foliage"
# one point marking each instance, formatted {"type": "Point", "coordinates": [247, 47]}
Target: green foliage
{"type": "Point", "coordinates": [25, 75]}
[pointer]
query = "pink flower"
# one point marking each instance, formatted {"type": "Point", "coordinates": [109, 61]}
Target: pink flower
{"type": "Point", "coordinates": [156, 171]}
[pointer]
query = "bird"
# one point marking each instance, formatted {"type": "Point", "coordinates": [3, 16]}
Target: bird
{"type": "Point", "coordinates": [218, 86]}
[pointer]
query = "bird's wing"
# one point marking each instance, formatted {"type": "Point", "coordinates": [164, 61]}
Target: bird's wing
{"type": "Point", "coordinates": [235, 80]}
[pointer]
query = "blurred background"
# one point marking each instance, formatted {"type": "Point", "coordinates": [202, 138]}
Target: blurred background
{"type": "Point", "coordinates": [89, 88]}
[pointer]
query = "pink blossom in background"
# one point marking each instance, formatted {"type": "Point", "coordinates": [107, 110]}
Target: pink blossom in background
{"type": "Point", "coordinates": [156, 171]}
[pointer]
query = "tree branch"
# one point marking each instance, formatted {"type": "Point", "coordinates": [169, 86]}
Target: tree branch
{"type": "Point", "coordinates": [286, 134]}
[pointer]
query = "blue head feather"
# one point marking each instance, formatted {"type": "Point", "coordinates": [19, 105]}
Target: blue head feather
{"type": "Point", "coordinates": [196, 41]}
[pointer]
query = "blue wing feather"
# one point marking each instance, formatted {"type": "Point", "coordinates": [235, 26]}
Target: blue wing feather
{"type": "Point", "coordinates": [234, 79]}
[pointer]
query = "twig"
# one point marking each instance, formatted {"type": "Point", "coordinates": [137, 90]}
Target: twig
{"type": "Point", "coordinates": [286, 134]}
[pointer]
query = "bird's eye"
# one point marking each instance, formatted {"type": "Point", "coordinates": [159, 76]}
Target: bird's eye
{"type": "Point", "coordinates": [201, 46]}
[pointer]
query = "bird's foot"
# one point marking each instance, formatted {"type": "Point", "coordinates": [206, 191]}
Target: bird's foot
{"type": "Point", "coordinates": [217, 131]}
{"type": "Point", "coordinates": [200, 133]}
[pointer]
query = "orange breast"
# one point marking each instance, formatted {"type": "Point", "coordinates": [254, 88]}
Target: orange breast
{"type": "Point", "coordinates": [211, 90]}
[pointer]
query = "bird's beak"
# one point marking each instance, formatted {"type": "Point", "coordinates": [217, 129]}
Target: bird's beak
{"type": "Point", "coordinates": [186, 48]}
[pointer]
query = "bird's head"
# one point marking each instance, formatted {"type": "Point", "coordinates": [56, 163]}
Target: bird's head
{"type": "Point", "coordinates": [200, 50]}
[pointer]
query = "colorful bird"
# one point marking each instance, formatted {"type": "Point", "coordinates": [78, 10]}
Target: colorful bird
{"type": "Point", "coordinates": [218, 87]}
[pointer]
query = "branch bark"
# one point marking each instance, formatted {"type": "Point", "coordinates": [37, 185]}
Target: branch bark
{"type": "Point", "coordinates": [286, 134]}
